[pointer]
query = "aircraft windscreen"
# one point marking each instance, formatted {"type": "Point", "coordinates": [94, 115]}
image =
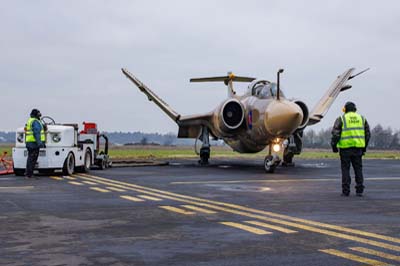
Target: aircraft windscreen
{"type": "Point", "coordinates": [265, 91]}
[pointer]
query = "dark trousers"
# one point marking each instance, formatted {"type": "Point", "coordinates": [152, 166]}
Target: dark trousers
{"type": "Point", "coordinates": [352, 156]}
{"type": "Point", "coordinates": [33, 154]}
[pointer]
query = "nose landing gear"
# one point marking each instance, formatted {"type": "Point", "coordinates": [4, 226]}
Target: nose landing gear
{"type": "Point", "coordinates": [271, 161]}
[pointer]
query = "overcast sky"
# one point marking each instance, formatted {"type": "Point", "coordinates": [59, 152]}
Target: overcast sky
{"type": "Point", "coordinates": [64, 57]}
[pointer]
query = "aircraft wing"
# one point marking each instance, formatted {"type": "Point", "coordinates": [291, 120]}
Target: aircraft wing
{"type": "Point", "coordinates": [189, 126]}
{"type": "Point", "coordinates": [322, 107]}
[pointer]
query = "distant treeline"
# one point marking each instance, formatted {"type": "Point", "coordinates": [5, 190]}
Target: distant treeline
{"type": "Point", "coordinates": [382, 138]}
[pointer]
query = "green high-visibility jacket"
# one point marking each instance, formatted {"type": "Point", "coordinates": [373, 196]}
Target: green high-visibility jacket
{"type": "Point", "coordinates": [353, 131]}
{"type": "Point", "coordinates": [29, 137]}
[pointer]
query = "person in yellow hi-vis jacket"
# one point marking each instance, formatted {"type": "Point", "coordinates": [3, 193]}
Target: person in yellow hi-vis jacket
{"type": "Point", "coordinates": [35, 138]}
{"type": "Point", "coordinates": [350, 136]}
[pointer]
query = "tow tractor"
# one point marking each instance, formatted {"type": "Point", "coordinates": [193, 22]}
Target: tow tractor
{"type": "Point", "coordinates": [66, 149]}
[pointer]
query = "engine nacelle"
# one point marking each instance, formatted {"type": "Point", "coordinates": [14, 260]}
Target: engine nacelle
{"type": "Point", "coordinates": [231, 115]}
{"type": "Point", "coordinates": [306, 114]}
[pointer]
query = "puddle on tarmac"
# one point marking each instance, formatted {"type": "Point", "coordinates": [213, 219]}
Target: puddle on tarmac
{"type": "Point", "coordinates": [314, 165]}
{"type": "Point", "coordinates": [239, 188]}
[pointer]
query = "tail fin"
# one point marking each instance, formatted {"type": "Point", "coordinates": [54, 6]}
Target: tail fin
{"type": "Point", "coordinates": [225, 79]}
{"type": "Point", "coordinates": [228, 79]}
{"type": "Point", "coordinates": [152, 96]}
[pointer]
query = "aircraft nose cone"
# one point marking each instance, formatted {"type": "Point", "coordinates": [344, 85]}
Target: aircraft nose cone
{"type": "Point", "coordinates": [282, 118]}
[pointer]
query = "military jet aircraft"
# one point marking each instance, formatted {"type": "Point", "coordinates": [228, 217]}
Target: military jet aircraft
{"type": "Point", "coordinates": [262, 117]}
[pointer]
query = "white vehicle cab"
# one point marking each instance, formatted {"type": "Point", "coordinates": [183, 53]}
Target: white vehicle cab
{"type": "Point", "coordinates": [66, 149]}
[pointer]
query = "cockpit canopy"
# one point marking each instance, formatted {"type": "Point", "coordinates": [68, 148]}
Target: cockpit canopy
{"type": "Point", "coordinates": [263, 89]}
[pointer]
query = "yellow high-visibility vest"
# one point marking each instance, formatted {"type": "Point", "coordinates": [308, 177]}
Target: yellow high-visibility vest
{"type": "Point", "coordinates": [29, 137]}
{"type": "Point", "coordinates": [353, 132]}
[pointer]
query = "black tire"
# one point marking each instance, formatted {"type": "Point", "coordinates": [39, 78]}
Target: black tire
{"type": "Point", "coordinates": [204, 156]}
{"type": "Point", "coordinates": [267, 166]}
{"type": "Point", "coordinates": [69, 165]}
{"type": "Point", "coordinates": [102, 164]}
{"type": "Point", "coordinates": [87, 162]}
{"type": "Point", "coordinates": [288, 158]}
{"type": "Point", "coordinates": [19, 172]}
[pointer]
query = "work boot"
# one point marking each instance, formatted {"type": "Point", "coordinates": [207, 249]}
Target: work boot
{"type": "Point", "coordinates": [359, 194]}
{"type": "Point", "coordinates": [345, 194]}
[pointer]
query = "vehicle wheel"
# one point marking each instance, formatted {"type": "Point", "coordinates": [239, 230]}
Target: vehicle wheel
{"type": "Point", "coordinates": [19, 172]}
{"type": "Point", "coordinates": [69, 165]}
{"type": "Point", "coordinates": [103, 164]}
{"type": "Point", "coordinates": [87, 162]}
{"type": "Point", "coordinates": [269, 165]}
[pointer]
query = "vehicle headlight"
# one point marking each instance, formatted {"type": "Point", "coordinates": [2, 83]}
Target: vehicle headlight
{"type": "Point", "coordinates": [20, 137]}
{"type": "Point", "coordinates": [56, 138]}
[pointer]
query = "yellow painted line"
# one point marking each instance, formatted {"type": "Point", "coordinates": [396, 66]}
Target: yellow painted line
{"type": "Point", "coordinates": [69, 177]}
{"type": "Point", "coordinates": [353, 257]}
{"type": "Point", "coordinates": [177, 210]}
{"type": "Point", "coordinates": [308, 228]}
{"type": "Point", "coordinates": [89, 182]}
{"type": "Point", "coordinates": [277, 181]}
{"type": "Point", "coordinates": [131, 198]}
{"type": "Point", "coordinates": [247, 228]}
{"type": "Point", "coordinates": [376, 253]}
{"type": "Point", "coordinates": [149, 198]}
{"type": "Point", "coordinates": [253, 213]}
{"type": "Point", "coordinates": [116, 189]}
{"type": "Point", "coordinates": [274, 227]}
{"type": "Point", "coordinates": [75, 183]}
{"type": "Point", "coordinates": [56, 178]}
{"type": "Point", "coordinates": [99, 189]}
{"type": "Point", "coordinates": [198, 209]}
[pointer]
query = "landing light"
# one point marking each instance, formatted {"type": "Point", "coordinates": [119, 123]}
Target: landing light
{"type": "Point", "coordinates": [276, 147]}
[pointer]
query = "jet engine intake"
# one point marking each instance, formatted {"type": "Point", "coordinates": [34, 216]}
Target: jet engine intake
{"type": "Point", "coordinates": [232, 115]}
{"type": "Point", "coordinates": [306, 114]}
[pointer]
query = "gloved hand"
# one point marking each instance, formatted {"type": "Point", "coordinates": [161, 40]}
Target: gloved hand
{"type": "Point", "coordinates": [42, 145]}
{"type": "Point", "coordinates": [363, 151]}
{"type": "Point", "coordinates": [335, 149]}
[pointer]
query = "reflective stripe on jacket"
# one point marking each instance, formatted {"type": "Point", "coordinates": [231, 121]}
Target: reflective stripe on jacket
{"type": "Point", "coordinates": [29, 137]}
{"type": "Point", "coordinates": [353, 131]}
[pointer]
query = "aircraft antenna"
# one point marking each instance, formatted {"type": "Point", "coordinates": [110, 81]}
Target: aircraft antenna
{"type": "Point", "coordinates": [278, 83]}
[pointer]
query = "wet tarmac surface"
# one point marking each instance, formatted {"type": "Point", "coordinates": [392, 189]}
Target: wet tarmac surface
{"type": "Point", "coordinates": [227, 213]}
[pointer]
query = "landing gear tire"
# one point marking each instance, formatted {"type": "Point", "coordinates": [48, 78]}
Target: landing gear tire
{"type": "Point", "coordinates": [204, 156]}
{"type": "Point", "coordinates": [288, 159]}
{"type": "Point", "coordinates": [269, 165]}
{"type": "Point", "coordinates": [69, 165]}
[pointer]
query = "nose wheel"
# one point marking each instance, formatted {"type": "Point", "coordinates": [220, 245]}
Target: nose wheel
{"type": "Point", "coordinates": [271, 162]}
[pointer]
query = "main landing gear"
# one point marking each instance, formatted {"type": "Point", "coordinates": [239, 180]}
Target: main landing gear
{"type": "Point", "coordinates": [205, 147]}
{"type": "Point", "coordinates": [271, 161]}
